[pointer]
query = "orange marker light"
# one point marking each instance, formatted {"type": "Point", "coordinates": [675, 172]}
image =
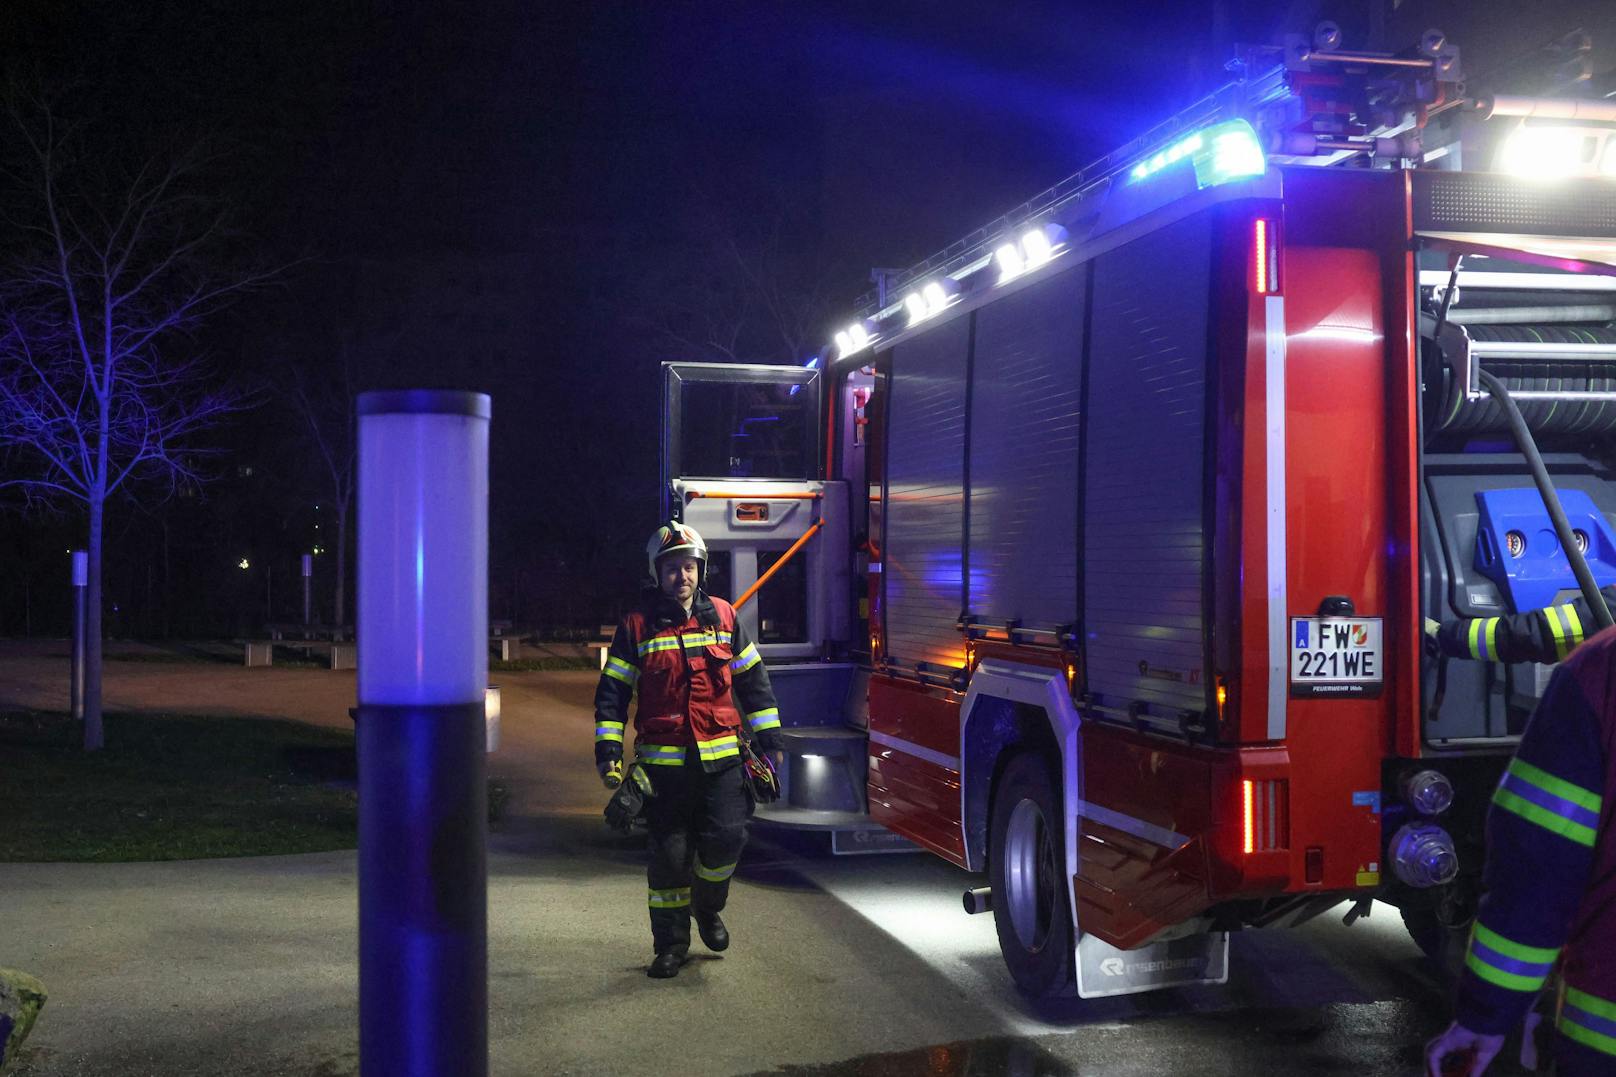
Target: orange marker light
{"type": "Point", "coordinates": [1250, 811]}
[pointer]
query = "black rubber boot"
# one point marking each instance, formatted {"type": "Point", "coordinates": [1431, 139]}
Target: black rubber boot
{"type": "Point", "coordinates": [713, 932]}
{"type": "Point", "coordinates": [666, 965]}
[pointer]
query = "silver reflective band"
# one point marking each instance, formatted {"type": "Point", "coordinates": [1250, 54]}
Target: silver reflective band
{"type": "Point", "coordinates": [1278, 657]}
{"type": "Point", "coordinates": [909, 748]}
{"type": "Point", "coordinates": [1156, 835]}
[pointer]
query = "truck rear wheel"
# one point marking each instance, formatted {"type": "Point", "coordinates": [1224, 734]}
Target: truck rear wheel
{"type": "Point", "coordinates": [1443, 944]}
{"type": "Point", "coordinates": [1031, 909]}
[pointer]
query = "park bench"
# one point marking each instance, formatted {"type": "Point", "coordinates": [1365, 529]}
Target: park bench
{"type": "Point", "coordinates": [603, 642]}
{"type": "Point", "coordinates": [339, 654]}
{"type": "Point", "coordinates": [284, 631]}
{"type": "Point", "coordinates": [257, 652]}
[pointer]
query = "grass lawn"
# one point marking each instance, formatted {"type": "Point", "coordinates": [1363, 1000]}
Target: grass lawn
{"type": "Point", "coordinates": [173, 788]}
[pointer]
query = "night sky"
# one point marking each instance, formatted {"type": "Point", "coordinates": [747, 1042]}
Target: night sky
{"type": "Point", "coordinates": [537, 199]}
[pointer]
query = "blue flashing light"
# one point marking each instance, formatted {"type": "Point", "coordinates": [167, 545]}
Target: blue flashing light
{"type": "Point", "coordinates": [1172, 155]}
{"type": "Point", "coordinates": [1219, 154]}
{"type": "Point", "coordinates": [1236, 154]}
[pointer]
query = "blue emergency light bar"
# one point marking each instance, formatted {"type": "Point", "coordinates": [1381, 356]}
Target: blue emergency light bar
{"type": "Point", "coordinates": [1517, 549]}
{"type": "Point", "coordinates": [1220, 154]}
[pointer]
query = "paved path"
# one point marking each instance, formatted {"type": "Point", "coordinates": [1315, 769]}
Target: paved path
{"type": "Point", "coordinates": [246, 967]}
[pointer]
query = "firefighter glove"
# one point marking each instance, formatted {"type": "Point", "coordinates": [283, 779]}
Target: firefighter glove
{"type": "Point", "coordinates": [1432, 639]}
{"type": "Point", "coordinates": [611, 773]}
{"type": "Point", "coordinates": [624, 807]}
{"type": "Point", "coordinates": [628, 802]}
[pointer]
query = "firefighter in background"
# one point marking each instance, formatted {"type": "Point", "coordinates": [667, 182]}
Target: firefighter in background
{"type": "Point", "coordinates": [1545, 635]}
{"type": "Point", "coordinates": [1549, 885]}
{"type": "Point", "coordinates": [697, 674]}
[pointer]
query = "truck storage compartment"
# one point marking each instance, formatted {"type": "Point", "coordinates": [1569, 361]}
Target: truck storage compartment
{"type": "Point", "coordinates": [1144, 531]}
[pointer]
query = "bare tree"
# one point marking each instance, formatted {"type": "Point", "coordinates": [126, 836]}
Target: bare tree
{"type": "Point", "coordinates": [752, 292]}
{"type": "Point", "coordinates": [325, 406]}
{"type": "Point", "coordinates": [102, 390]}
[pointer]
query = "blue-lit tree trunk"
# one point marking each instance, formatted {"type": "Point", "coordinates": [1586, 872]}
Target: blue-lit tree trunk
{"type": "Point", "coordinates": [106, 283]}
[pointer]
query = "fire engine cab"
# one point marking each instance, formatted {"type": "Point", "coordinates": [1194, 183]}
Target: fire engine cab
{"type": "Point", "coordinates": [1096, 553]}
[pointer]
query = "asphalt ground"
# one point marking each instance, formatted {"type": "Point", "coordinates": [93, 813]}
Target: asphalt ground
{"type": "Point", "coordinates": [852, 965]}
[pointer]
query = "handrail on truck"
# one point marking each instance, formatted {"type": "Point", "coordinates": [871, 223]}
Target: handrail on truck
{"type": "Point", "coordinates": [790, 553]}
{"type": "Point", "coordinates": [732, 495]}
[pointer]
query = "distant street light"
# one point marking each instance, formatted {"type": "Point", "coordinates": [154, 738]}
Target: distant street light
{"type": "Point", "coordinates": [243, 564]}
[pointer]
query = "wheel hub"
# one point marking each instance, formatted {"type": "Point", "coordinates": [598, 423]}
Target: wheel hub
{"type": "Point", "coordinates": [1029, 875]}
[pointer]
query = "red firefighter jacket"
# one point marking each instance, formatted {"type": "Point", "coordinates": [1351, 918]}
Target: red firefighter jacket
{"type": "Point", "coordinates": [696, 675]}
{"type": "Point", "coordinates": [1550, 879]}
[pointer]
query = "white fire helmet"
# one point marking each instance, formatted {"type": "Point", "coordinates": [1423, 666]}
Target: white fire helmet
{"type": "Point", "coordinates": [674, 537]}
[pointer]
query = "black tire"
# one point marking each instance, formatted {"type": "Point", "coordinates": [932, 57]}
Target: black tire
{"type": "Point", "coordinates": [1027, 868]}
{"type": "Point", "coordinates": [1444, 946]}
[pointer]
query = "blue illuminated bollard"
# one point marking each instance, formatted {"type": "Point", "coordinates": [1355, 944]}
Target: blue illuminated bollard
{"type": "Point", "coordinates": [81, 579]}
{"type": "Point", "coordinates": [423, 668]}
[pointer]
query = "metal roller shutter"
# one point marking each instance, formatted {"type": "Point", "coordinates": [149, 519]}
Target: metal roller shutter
{"type": "Point", "coordinates": [1025, 397]}
{"type": "Point", "coordinates": [1144, 535]}
{"type": "Point", "coordinates": [925, 503]}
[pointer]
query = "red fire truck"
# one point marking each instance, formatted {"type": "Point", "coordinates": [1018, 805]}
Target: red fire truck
{"type": "Point", "coordinates": [1096, 552]}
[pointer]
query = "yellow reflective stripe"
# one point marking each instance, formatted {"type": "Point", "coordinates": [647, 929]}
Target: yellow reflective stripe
{"type": "Point", "coordinates": [744, 661]}
{"type": "Point", "coordinates": [768, 718]}
{"type": "Point", "coordinates": [609, 731]}
{"type": "Point", "coordinates": [703, 639]}
{"type": "Point", "coordinates": [719, 747]}
{"type": "Point", "coordinates": [1595, 1005]}
{"type": "Point", "coordinates": [1492, 638]}
{"type": "Point", "coordinates": [714, 875]}
{"type": "Point", "coordinates": [1588, 1019]}
{"type": "Point", "coordinates": [1575, 622]}
{"type": "Point", "coordinates": [619, 670]}
{"type": "Point", "coordinates": [1474, 640]}
{"type": "Point", "coordinates": [658, 643]}
{"type": "Point", "coordinates": [660, 754]}
{"type": "Point", "coordinates": [669, 899]}
{"type": "Point", "coordinates": [1553, 617]}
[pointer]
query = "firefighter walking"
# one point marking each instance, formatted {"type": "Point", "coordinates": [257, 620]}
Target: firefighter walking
{"type": "Point", "coordinates": [1550, 880]}
{"type": "Point", "coordinates": [698, 678]}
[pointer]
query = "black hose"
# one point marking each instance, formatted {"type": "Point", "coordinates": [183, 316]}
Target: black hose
{"type": "Point", "coordinates": [1551, 500]}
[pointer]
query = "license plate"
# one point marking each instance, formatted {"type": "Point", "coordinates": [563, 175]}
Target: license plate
{"type": "Point", "coordinates": [1336, 656]}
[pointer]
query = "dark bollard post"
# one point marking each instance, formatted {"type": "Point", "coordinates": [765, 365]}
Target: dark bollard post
{"type": "Point", "coordinates": [308, 579]}
{"type": "Point", "coordinates": [81, 581]}
{"type": "Point", "coordinates": [423, 669]}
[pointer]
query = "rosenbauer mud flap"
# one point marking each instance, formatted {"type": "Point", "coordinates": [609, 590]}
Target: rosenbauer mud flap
{"type": "Point", "coordinates": [1102, 969]}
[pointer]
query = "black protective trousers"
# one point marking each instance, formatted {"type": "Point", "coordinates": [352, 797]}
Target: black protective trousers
{"type": "Point", "coordinates": [697, 821]}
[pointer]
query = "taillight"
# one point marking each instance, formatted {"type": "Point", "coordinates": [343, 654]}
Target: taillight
{"type": "Point", "coordinates": [1265, 279]}
{"type": "Point", "coordinates": [1265, 815]}
{"type": "Point", "coordinates": [1249, 815]}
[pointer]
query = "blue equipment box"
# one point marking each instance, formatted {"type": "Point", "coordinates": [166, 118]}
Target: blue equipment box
{"type": "Point", "coordinates": [1517, 549]}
